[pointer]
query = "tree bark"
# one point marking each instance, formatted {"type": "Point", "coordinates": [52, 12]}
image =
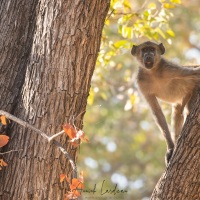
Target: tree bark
{"type": "Point", "coordinates": [181, 180]}
{"type": "Point", "coordinates": [48, 51]}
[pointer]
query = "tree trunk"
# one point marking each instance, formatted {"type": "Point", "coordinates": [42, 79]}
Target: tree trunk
{"type": "Point", "coordinates": [181, 180]}
{"type": "Point", "coordinates": [48, 51]}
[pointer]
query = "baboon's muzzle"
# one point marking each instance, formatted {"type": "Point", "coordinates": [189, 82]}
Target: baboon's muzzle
{"type": "Point", "coordinates": [148, 61]}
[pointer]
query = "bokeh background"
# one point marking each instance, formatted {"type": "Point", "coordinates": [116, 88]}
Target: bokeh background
{"type": "Point", "coordinates": [126, 147]}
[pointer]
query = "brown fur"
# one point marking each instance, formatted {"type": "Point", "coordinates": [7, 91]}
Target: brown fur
{"type": "Point", "coordinates": [160, 79]}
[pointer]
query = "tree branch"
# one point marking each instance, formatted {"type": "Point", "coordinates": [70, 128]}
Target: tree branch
{"type": "Point", "coordinates": [181, 177]}
{"type": "Point", "coordinates": [44, 135]}
{"type": "Point", "coordinates": [10, 151]}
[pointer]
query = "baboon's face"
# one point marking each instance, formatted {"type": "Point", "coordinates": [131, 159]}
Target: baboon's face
{"type": "Point", "coordinates": [148, 53]}
{"type": "Point", "coordinates": [148, 56]}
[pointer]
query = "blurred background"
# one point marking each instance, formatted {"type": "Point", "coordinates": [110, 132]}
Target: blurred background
{"type": "Point", "coordinates": [126, 147]}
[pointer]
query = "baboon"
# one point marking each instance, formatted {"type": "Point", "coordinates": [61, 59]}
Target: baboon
{"type": "Point", "coordinates": [160, 79]}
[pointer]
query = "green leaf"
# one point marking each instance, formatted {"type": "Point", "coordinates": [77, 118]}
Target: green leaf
{"type": "Point", "coordinates": [146, 14]}
{"type": "Point", "coordinates": [168, 5]}
{"type": "Point", "coordinates": [127, 4]}
{"type": "Point", "coordinates": [176, 1]}
{"type": "Point", "coordinates": [127, 32]}
{"type": "Point", "coordinates": [103, 96]}
{"type": "Point", "coordinates": [118, 5]}
{"type": "Point", "coordinates": [159, 31]}
{"type": "Point", "coordinates": [171, 33]}
{"type": "Point", "coordinates": [121, 43]}
{"type": "Point", "coordinates": [152, 6]}
{"type": "Point", "coordinates": [132, 99]}
{"type": "Point", "coordinates": [90, 99]}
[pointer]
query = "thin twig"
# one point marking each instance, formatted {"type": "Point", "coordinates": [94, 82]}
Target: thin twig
{"type": "Point", "coordinates": [63, 150]}
{"type": "Point", "coordinates": [27, 125]}
{"type": "Point", "coordinates": [56, 135]}
{"type": "Point", "coordinates": [23, 123]}
{"type": "Point", "coordinates": [10, 151]}
{"type": "Point", "coordinates": [110, 14]}
{"type": "Point", "coordinates": [44, 135]}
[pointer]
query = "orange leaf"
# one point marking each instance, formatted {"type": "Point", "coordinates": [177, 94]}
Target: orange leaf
{"type": "Point", "coordinates": [74, 143]}
{"type": "Point", "coordinates": [2, 163]}
{"type": "Point", "coordinates": [62, 177]}
{"type": "Point", "coordinates": [81, 177]}
{"type": "Point", "coordinates": [70, 195]}
{"type": "Point", "coordinates": [76, 193]}
{"type": "Point", "coordinates": [3, 140]}
{"type": "Point", "coordinates": [69, 129]}
{"type": "Point", "coordinates": [3, 120]}
{"type": "Point", "coordinates": [80, 134]}
{"type": "Point", "coordinates": [76, 184]}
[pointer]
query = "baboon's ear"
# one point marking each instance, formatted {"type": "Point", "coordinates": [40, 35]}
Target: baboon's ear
{"type": "Point", "coordinates": [162, 48]}
{"type": "Point", "coordinates": [133, 50]}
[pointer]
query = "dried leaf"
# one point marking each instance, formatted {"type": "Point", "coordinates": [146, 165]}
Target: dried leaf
{"type": "Point", "coordinates": [3, 140]}
{"type": "Point", "coordinates": [80, 135]}
{"type": "Point", "coordinates": [62, 177]}
{"type": "Point", "coordinates": [3, 120]}
{"type": "Point", "coordinates": [81, 177]}
{"type": "Point", "coordinates": [69, 130]}
{"type": "Point", "coordinates": [76, 184]}
{"type": "Point", "coordinates": [70, 195]}
{"type": "Point", "coordinates": [74, 143]}
{"type": "Point", "coordinates": [2, 164]}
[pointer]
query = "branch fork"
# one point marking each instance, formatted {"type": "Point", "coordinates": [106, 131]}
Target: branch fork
{"type": "Point", "coordinates": [45, 136]}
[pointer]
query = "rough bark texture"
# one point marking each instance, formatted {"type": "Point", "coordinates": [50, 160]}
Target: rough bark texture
{"type": "Point", "coordinates": [181, 180]}
{"type": "Point", "coordinates": [48, 51]}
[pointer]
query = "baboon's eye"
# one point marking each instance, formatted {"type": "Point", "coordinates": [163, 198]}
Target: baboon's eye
{"type": "Point", "coordinates": [152, 49]}
{"type": "Point", "coordinates": [145, 49]}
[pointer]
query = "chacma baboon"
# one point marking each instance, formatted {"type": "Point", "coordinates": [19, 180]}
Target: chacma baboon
{"type": "Point", "coordinates": [160, 79]}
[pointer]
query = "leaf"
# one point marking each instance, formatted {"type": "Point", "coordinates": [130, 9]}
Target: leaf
{"type": "Point", "coordinates": [118, 5]}
{"type": "Point", "coordinates": [168, 5]}
{"type": "Point", "coordinates": [127, 32]}
{"type": "Point", "coordinates": [176, 1]}
{"type": "Point", "coordinates": [152, 6]}
{"type": "Point", "coordinates": [3, 140]}
{"type": "Point", "coordinates": [80, 134]}
{"type": "Point", "coordinates": [71, 195]}
{"type": "Point", "coordinates": [123, 43]}
{"type": "Point", "coordinates": [2, 164]}
{"type": "Point", "coordinates": [120, 43]}
{"type": "Point", "coordinates": [3, 120]}
{"type": "Point", "coordinates": [74, 143]}
{"type": "Point", "coordinates": [171, 33]}
{"type": "Point", "coordinates": [76, 184]}
{"type": "Point", "coordinates": [62, 177]}
{"type": "Point", "coordinates": [160, 32]}
{"type": "Point", "coordinates": [81, 179]}
{"type": "Point", "coordinates": [127, 4]}
{"type": "Point", "coordinates": [69, 129]}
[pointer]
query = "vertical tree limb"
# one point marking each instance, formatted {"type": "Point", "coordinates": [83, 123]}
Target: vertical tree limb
{"type": "Point", "coordinates": [181, 180]}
